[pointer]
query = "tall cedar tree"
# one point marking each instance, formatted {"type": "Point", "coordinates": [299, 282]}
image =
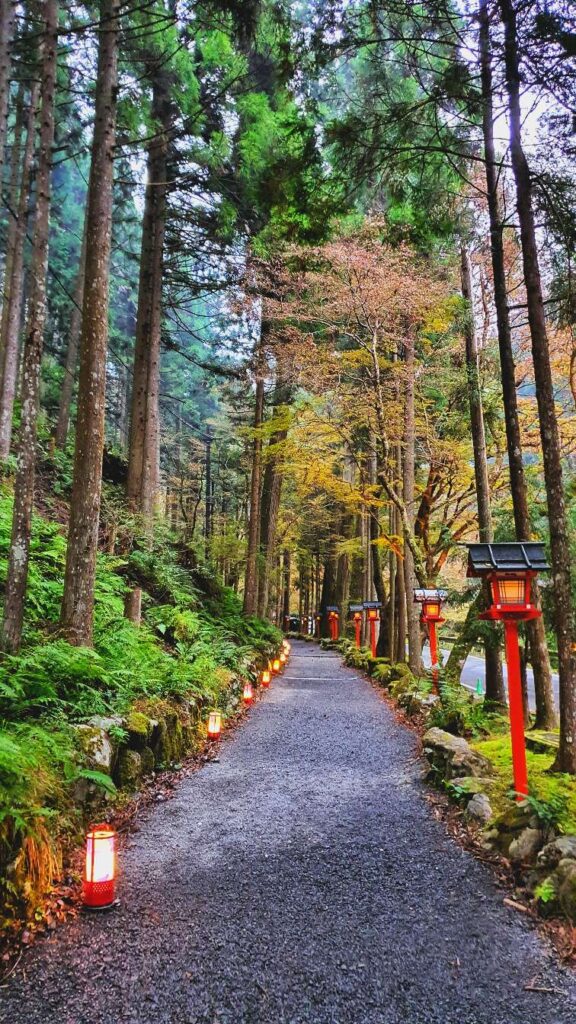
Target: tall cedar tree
{"type": "Point", "coordinates": [549, 435]}
{"type": "Point", "coordinates": [19, 555]}
{"type": "Point", "coordinates": [545, 711]}
{"type": "Point", "coordinates": [78, 600]}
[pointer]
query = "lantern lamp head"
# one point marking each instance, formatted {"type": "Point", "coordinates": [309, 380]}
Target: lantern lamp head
{"type": "Point", "coordinates": [214, 725]}
{"type": "Point", "coordinates": [431, 601]}
{"type": "Point", "coordinates": [276, 665]}
{"type": "Point", "coordinates": [265, 678]}
{"type": "Point", "coordinates": [248, 692]}
{"type": "Point", "coordinates": [99, 885]}
{"type": "Point", "coordinates": [509, 569]}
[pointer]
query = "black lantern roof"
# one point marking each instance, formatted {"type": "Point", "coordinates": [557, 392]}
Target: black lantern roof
{"type": "Point", "coordinates": [332, 608]}
{"type": "Point", "coordinates": [520, 556]}
{"type": "Point", "coordinates": [356, 608]}
{"type": "Point", "coordinates": [372, 604]}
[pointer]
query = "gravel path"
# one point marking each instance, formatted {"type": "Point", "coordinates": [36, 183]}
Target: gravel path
{"type": "Point", "coordinates": [300, 880]}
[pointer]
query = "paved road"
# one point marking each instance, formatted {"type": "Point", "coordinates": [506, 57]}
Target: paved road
{"type": "Point", "coordinates": [475, 669]}
{"type": "Point", "coordinates": [301, 880]}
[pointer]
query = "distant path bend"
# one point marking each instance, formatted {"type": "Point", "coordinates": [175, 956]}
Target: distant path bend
{"type": "Point", "coordinates": [300, 880]}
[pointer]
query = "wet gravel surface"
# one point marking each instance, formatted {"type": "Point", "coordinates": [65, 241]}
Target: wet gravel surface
{"type": "Point", "coordinates": [300, 880]}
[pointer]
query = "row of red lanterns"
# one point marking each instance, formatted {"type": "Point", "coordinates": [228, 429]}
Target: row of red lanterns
{"type": "Point", "coordinates": [99, 884]}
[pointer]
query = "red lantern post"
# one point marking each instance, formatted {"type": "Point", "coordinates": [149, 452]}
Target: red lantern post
{"type": "Point", "coordinates": [334, 622]}
{"type": "Point", "coordinates": [356, 611]}
{"type": "Point", "coordinates": [373, 612]}
{"type": "Point", "coordinates": [509, 568]}
{"type": "Point", "coordinates": [431, 601]}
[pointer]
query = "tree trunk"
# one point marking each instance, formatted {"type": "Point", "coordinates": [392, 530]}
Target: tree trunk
{"type": "Point", "coordinates": [7, 26]}
{"type": "Point", "coordinates": [251, 576]}
{"type": "Point", "coordinates": [63, 422]}
{"type": "Point", "coordinates": [545, 711]}
{"type": "Point", "coordinates": [408, 484]}
{"type": "Point", "coordinates": [285, 587]}
{"type": "Point", "coordinates": [12, 307]}
{"type": "Point", "coordinates": [33, 343]}
{"type": "Point", "coordinates": [143, 460]}
{"type": "Point", "coordinates": [19, 125]}
{"type": "Point", "coordinates": [78, 600]}
{"type": "Point", "coordinates": [269, 506]}
{"type": "Point", "coordinates": [208, 497]}
{"type": "Point", "coordinates": [551, 453]}
{"type": "Point", "coordinates": [495, 692]}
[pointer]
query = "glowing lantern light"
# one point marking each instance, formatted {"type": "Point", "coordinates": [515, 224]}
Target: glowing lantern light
{"type": "Point", "coordinates": [248, 693]}
{"type": "Point", "coordinates": [283, 658]}
{"type": "Point", "coordinates": [509, 568]}
{"type": "Point", "coordinates": [265, 678]}
{"type": "Point", "coordinates": [286, 647]}
{"type": "Point", "coordinates": [214, 725]}
{"type": "Point", "coordinates": [276, 665]}
{"type": "Point", "coordinates": [99, 885]}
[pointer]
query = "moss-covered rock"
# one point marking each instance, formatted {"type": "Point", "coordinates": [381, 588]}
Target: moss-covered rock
{"type": "Point", "coordinates": [452, 757]}
{"type": "Point", "coordinates": [147, 759]}
{"type": "Point", "coordinates": [129, 769]}
{"type": "Point", "coordinates": [139, 727]}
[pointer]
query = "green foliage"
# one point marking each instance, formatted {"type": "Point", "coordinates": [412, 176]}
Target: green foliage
{"type": "Point", "coordinates": [550, 812]}
{"type": "Point", "coordinates": [545, 892]}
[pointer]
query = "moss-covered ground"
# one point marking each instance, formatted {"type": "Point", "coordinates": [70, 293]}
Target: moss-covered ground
{"type": "Point", "coordinates": [556, 790]}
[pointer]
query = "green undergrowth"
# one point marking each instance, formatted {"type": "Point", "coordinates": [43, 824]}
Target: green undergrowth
{"type": "Point", "coordinates": [548, 788]}
{"type": "Point", "coordinates": [193, 640]}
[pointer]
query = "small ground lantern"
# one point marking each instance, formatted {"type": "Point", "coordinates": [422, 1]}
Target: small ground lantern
{"type": "Point", "coordinates": [283, 659]}
{"type": "Point", "coordinates": [356, 611]}
{"type": "Point", "coordinates": [334, 621]}
{"type": "Point", "coordinates": [431, 615]}
{"type": "Point", "coordinates": [276, 666]}
{"type": "Point", "coordinates": [373, 615]}
{"type": "Point", "coordinates": [99, 886]}
{"type": "Point", "coordinates": [214, 725]}
{"type": "Point", "coordinates": [248, 692]}
{"type": "Point", "coordinates": [265, 678]}
{"type": "Point", "coordinates": [509, 569]}
{"type": "Point", "coordinates": [286, 647]}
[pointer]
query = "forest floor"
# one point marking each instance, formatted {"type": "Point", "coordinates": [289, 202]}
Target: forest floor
{"type": "Point", "coordinates": [300, 879]}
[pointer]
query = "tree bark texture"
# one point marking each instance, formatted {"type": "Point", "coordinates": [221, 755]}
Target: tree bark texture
{"type": "Point", "coordinates": [495, 692]}
{"type": "Point", "coordinates": [65, 404]}
{"type": "Point", "coordinates": [78, 600]}
{"type": "Point", "coordinates": [549, 434]}
{"type": "Point", "coordinates": [251, 575]}
{"type": "Point", "coordinates": [143, 460]}
{"type": "Point", "coordinates": [408, 485]}
{"type": "Point", "coordinates": [545, 710]}
{"type": "Point", "coordinates": [13, 191]}
{"type": "Point", "coordinates": [19, 555]}
{"type": "Point", "coordinates": [12, 306]}
{"type": "Point", "coordinates": [7, 26]}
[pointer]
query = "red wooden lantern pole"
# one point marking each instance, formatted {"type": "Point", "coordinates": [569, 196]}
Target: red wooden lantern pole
{"type": "Point", "coordinates": [433, 653]}
{"type": "Point", "coordinates": [357, 626]}
{"type": "Point", "coordinates": [515, 707]}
